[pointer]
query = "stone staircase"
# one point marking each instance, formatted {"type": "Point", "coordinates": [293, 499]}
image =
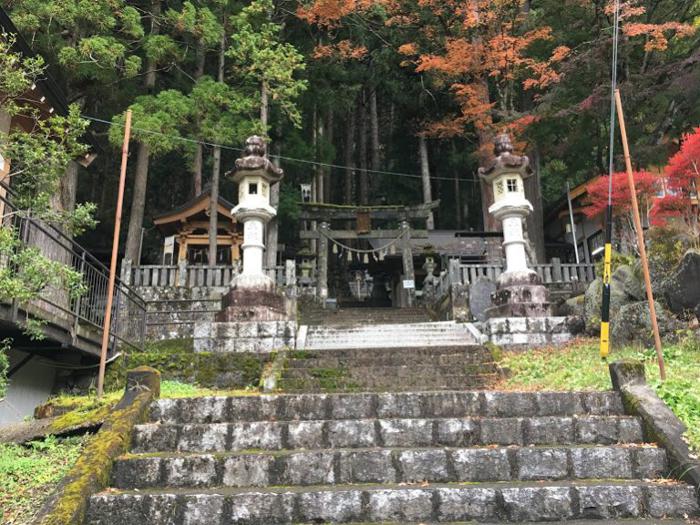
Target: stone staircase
{"type": "Point", "coordinates": [392, 458]}
{"type": "Point", "coordinates": [312, 315]}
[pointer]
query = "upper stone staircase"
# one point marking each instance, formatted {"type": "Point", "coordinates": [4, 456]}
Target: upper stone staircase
{"type": "Point", "coordinates": [392, 458]}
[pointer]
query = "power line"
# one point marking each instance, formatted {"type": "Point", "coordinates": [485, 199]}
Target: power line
{"type": "Point", "coordinates": [282, 157]}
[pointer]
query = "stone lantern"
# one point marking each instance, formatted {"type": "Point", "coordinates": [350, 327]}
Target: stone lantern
{"type": "Point", "coordinates": [520, 292]}
{"type": "Point", "coordinates": [254, 174]}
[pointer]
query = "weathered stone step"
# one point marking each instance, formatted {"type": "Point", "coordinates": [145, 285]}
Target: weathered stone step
{"type": "Point", "coordinates": [382, 382]}
{"type": "Point", "coordinates": [367, 433]}
{"type": "Point", "coordinates": [385, 405]}
{"type": "Point", "coordinates": [352, 466]}
{"type": "Point", "coordinates": [393, 373]}
{"type": "Point", "coordinates": [510, 502]}
{"type": "Point", "coordinates": [417, 351]}
{"type": "Point", "coordinates": [379, 359]}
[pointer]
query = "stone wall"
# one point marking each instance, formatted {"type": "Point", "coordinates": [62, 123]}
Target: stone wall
{"type": "Point", "coordinates": [173, 311]}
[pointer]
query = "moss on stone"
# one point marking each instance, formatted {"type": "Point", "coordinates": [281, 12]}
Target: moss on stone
{"type": "Point", "coordinates": [211, 370]}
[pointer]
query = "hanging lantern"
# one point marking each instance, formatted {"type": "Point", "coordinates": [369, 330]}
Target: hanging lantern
{"type": "Point", "coordinates": [335, 249]}
{"type": "Point", "coordinates": [392, 249]}
{"type": "Point", "coordinates": [349, 256]}
{"type": "Point", "coordinates": [366, 259]}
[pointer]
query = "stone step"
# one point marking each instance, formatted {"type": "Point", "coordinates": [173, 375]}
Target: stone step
{"type": "Point", "coordinates": [455, 404]}
{"type": "Point", "coordinates": [511, 502]}
{"type": "Point", "coordinates": [455, 359]}
{"type": "Point", "coordinates": [427, 352]}
{"type": "Point", "coordinates": [368, 433]}
{"type": "Point", "coordinates": [394, 372]}
{"type": "Point", "coordinates": [335, 381]}
{"type": "Point", "coordinates": [389, 465]}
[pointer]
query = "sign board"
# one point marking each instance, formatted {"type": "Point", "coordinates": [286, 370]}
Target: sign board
{"type": "Point", "coordinates": [168, 250]}
{"type": "Point", "coordinates": [409, 284]}
{"type": "Point", "coordinates": [364, 222]}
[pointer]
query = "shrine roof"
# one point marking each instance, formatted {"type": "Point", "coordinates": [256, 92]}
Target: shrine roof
{"type": "Point", "coordinates": [170, 221]}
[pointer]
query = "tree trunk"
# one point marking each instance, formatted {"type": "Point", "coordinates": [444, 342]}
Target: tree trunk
{"type": "Point", "coordinates": [425, 175]}
{"type": "Point", "coordinates": [198, 161]}
{"type": "Point", "coordinates": [138, 199]}
{"type": "Point", "coordinates": [264, 105]}
{"type": "Point", "coordinates": [216, 170]}
{"type": "Point", "coordinates": [327, 170]}
{"type": "Point", "coordinates": [349, 157]}
{"type": "Point", "coordinates": [364, 179]}
{"type": "Point", "coordinates": [374, 124]}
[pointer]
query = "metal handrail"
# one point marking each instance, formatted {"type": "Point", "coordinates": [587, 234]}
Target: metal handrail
{"type": "Point", "coordinates": [129, 309]}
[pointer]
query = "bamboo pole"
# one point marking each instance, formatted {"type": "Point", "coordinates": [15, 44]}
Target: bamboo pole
{"type": "Point", "coordinates": [640, 236]}
{"type": "Point", "coordinates": [115, 251]}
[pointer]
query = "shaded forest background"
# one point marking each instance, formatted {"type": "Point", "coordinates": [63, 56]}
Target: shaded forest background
{"type": "Point", "coordinates": [394, 89]}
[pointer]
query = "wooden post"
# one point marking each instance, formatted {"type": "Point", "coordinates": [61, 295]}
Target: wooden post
{"type": "Point", "coordinates": [640, 236]}
{"type": "Point", "coordinates": [322, 261]}
{"type": "Point", "coordinates": [115, 251]}
{"type": "Point", "coordinates": [407, 257]}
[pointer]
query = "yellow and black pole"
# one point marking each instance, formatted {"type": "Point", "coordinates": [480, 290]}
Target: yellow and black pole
{"type": "Point", "coordinates": [607, 269]}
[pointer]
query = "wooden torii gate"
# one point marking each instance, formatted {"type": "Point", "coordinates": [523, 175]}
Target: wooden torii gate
{"type": "Point", "coordinates": [365, 219]}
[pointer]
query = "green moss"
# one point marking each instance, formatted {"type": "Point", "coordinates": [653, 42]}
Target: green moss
{"type": "Point", "coordinates": [209, 370]}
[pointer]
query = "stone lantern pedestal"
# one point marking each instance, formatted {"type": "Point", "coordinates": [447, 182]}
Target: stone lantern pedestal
{"type": "Point", "coordinates": [255, 316]}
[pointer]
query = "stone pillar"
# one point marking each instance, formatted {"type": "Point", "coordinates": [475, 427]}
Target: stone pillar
{"type": "Point", "coordinates": [322, 262]}
{"type": "Point", "coordinates": [407, 258]}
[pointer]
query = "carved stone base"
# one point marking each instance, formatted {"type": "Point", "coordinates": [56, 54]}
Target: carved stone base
{"type": "Point", "coordinates": [520, 294]}
{"type": "Point", "coordinates": [245, 304]}
{"type": "Point", "coordinates": [526, 333]}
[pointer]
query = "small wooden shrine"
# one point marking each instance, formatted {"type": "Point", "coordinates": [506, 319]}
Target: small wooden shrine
{"type": "Point", "coordinates": [186, 232]}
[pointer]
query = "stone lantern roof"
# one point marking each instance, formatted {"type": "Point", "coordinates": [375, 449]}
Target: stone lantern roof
{"type": "Point", "coordinates": [255, 162]}
{"type": "Point", "coordinates": [505, 160]}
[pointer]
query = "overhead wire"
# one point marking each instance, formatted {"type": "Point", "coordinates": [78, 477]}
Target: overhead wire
{"type": "Point", "coordinates": [281, 157]}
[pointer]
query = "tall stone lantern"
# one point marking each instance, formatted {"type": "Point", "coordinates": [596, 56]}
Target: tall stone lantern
{"type": "Point", "coordinates": [255, 174]}
{"type": "Point", "coordinates": [520, 292]}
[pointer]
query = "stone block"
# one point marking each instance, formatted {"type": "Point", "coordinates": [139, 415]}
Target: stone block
{"type": "Point", "coordinates": [194, 471]}
{"type": "Point", "coordinates": [265, 435]}
{"type": "Point", "coordinates": [559, 404]}
{"type": "Point", "coordinates": [604, 403]}
{"type": "Point", "coordinates": [559, 339]}
{"type": "Point", "coordinates": [137, 473]}
{"type": "Point", "coordinates": [550, 431]}
{"type": "Point", "coordinates": [249, 470]}
{"type": "Point", "coordinates": [672, 501]}
{"type": "Point", "coordinates": [406, 432]}
{"type": "Point", "coordinates": [367, 466]}
{"type": "Point", "coordinates": [314, 406]}
{"type": "Point", "coordinates": [510, 404]}
{"type": "Point", "coordinates": [601, 463]}
{"type": "Point", "coordinates": [457, 432]}
{"type": "Point", "coordinates": [630, 430]}
{"type": "Point", "coordinates": [452, 404]}
{"type": "Point", "coordinates": [356, 406]}
{"type": "Point", "coordinates": [467, 504]}
{"type": "Point", "coordinates": [203, 438]}
{"type": "Point", "coordinates": [154, 437]}
{"type": "Point", "coordinates": [537, 325]}
{"type": "Point", "coordinates": [497, 326]}
{"type": "Point", "coordinates": [400, 405]}
{"type": "Point", "coordinates": [404, 505]}
{"type": "Point", "coordinates": [308, 468]}
{"type": "Point", "coordinates": [502, 431]}
{"type": "Point", "coordinates": [165, 410]}
{"type": "Point", "coordinates": [651, 463]}
{"type": "Point", "coordinates": [267, 329]}
{"type": "Point", "coordinates": [202, 508]}
{"type": "Point", "coordinates": [481, 464]}
{"type": "Point", "coordinates": [247, 330]}
{"type": "Point", "coordinates": [423, 465]}
{"type": "Point", "coordinates": [204, 410]}
{"type": "Point", "coordinates": [541, 463]}
{"type": "Point", "coordinates": [305, 434]}
{"type": "Point", "coordinates": [262, 507]}
{"type": "Point", "coordinates": [537, 503]}
{"type": "Point", "coordinates": [610, 502]}
{"type": "Point", "coordinates": [517, 325]}
{"type": "Point", "coordinates": [596, 430]}
{"type": "Point", "coordinates": [248, 408]}
{"type": "Point", "coordinates": [331, 506]}
{"type": "Point", "coordinates": [351, 434]}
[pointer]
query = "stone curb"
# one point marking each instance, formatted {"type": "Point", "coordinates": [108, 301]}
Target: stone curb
{"type": "Point", "coordinates": [660, 423]}
{"type": "Point", "coordinates": [91, 473]}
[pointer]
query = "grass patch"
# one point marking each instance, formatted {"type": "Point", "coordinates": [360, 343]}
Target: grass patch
{"type": "Point", "coordinates": [28, 474]}
{"type": "Point", "coordinates": [579, 367]}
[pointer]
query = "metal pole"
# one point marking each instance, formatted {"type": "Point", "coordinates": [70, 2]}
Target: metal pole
{"type": "Point", "coordinates": [573, 224]}
{"type": "Point", "coordinates": [115, 250]}
{"type": "Point", "coordinates": [640, 236]}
